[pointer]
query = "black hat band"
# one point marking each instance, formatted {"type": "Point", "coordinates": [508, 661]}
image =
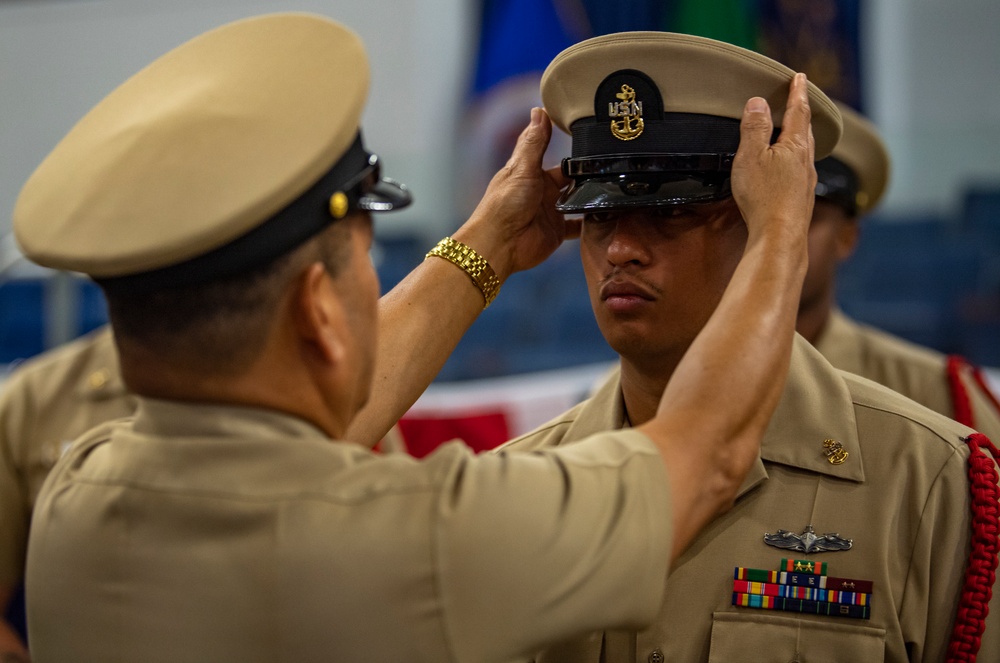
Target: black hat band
{"type": "Point", "coordinates": [675, 133]}
{"type": "Point", "coordinates": [633, 153]}
{"type": "Point", "coordinates": [838, 183]}
{"type": "Point", "coordinates": [615, 164]}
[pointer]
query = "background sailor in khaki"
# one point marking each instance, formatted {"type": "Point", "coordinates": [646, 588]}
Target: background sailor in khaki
{"type": "Point", "coordinates": [45, 404]}
{"type": "Point", "coordinates": [658, 243]}
{"type": "Point", "coordinates": [851, 182]}
{"type": "Point", "coordinates": [222, 198]}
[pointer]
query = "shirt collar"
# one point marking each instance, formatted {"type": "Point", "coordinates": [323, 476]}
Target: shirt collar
{"type": "Point", "coordinates": [815, 406]}
{"type": "Point", "coordinates": [176, 419]}
{"type": "Point", "coordinates": [841, 344]}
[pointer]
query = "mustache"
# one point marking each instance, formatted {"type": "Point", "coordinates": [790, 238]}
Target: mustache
{"type": "Point", "coordinates": [619, 275]}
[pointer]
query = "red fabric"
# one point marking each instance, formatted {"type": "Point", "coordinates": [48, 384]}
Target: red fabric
{"type": "Point", "coordinates": [977, 590]}
{"type": "Point", "coordinates": [481, 431]}
{"type": "Point", "coordinates": [959, 396]}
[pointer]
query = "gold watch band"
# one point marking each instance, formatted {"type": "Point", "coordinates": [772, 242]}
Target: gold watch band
{"type": "Point", "coordinates": [472, 264]}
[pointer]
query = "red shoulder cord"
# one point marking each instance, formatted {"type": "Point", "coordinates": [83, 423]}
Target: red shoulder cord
{"type": "Point", "coordinates": [977, 589]}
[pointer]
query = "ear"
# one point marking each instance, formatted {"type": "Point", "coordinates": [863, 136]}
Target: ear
{"type": "Point", "coordinates": [319, 315]}
{"type": "Point", "coordinates": [847, 237]}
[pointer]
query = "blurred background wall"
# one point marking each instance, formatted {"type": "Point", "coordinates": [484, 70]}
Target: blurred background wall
{"type": "Point", "coordinates": [452, 84]}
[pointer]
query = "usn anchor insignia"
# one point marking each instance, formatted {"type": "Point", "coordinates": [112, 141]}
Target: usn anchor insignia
{"type": "Point", "coordinates": [808, 541]}
{"type": "Point", "coordinates": [630, 110]}
{"type": "Point", "coordinates": [835, 452]}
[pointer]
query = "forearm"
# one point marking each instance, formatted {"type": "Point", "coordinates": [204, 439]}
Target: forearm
{"type": "Point", "coordinates": [720, 398]}
{"type": "Point", "coordinates": [740, 358]}
{"type": "Point", "coordinates": [12, 648]}
{"type": "Point", "coordinates": [421, 321]}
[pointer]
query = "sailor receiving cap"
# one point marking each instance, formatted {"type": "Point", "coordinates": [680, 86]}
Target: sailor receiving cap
{"type": "Point", "coordinates": [856, 175]}
{"type": "Point", "coordinates": [217, 158]}
{"type": "Point", "coordinates": [655, 116]}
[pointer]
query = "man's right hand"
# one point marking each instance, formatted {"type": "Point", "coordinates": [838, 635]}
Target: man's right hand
{"type": "Point", "coordinates": [516, 225]}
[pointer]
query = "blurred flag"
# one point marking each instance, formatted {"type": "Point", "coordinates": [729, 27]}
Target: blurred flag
{"type": "Point", "coordinates": [625, 15]}
{"type": "Point", "coordinates": [517, 40]}
{"type": "Point", "coordinates": [819, 37]}
{"type": "Point", "coordinates": [731, 21]}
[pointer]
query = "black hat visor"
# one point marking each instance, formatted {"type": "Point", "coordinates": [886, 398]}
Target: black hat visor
{"type": "Point", "coordinates": [644, 180]}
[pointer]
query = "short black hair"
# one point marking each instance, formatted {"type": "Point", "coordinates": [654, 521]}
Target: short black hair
{"type": "Point", "coordinates": [222, 325]}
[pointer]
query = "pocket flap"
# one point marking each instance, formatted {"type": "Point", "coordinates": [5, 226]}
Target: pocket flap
{"type": "Point", "coordinates": [752, 637]}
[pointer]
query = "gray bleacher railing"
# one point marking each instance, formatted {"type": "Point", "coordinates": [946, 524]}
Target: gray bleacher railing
{"type": "Point", "coordinates": [61, 310]}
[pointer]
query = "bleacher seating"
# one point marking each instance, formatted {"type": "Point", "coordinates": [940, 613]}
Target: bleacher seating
{"type": "Point", "coordinates": [981, 213]}
{"type": "Point", "coordinates": [22, 314]}
{"type": "Point", "coordinates": [933, 280]}
{"type": "Point", "coordinates": [542, 320]}
{"type": "Point", "coordinates": [22, 327]}
{"type": "Point", "coordinates": [394, 257]}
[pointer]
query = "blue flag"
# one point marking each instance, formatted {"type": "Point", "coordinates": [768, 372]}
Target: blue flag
{"type": "Point", "coordinates": [517, 41]}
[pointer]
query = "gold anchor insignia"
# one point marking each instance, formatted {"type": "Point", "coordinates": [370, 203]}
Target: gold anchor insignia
{"type": "Point", "coordinates": [834, 451]}
{"type": "Point", "coordinates": [630, 110]}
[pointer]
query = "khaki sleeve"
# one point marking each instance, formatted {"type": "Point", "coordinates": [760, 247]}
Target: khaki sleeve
{"type": "Point", "coordinates": [937, 570]}
{"type": "Point", "coordinates": [535, 548]}
{"type": "Point", "coordinates": [15, 508]}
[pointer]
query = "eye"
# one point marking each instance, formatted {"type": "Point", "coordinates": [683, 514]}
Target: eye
{"type": "Point", "coordinates": [595, 218]}
{"type": "Point", "coordinates": [670, 212]}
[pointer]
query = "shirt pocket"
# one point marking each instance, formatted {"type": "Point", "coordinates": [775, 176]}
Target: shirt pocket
{"type": "Point", "coordinates": [763, 638]}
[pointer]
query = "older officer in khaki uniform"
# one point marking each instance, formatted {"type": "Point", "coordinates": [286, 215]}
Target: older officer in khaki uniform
{"type": "Point", "coordinates": [222, 198]}
{"type": "Point", "coordinates": [45, 404]}
{"type": "Point", "coordinates": [851, 181]}
{"type": "Point", "coordinates": [849, 540]}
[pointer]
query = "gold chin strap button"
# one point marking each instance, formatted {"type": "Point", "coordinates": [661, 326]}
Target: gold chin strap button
{"type": "Point", "coordinates": [99, 378]}
{"type": "Point", "coordinates": [338, 205]}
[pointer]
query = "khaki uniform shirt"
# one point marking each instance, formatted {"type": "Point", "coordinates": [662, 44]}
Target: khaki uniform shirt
{"type": "Point", "coordinates": [212, 533]}
{"type": "Point", "coordinates": [45, 404]}
{"type": "Point", "coordinates": [916, 372]}
{"type": "Point", "coordinates": [901, 495]}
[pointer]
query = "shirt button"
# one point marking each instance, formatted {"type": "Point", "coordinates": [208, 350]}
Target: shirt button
{"type": "Point", "coordinates": [98, 379]}
{"type": "Point", "coordinates": [656, 656]}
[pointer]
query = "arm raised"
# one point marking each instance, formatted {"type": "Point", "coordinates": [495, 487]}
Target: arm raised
{"type": "Point", "coordinates": [720, 398]}
{"type": "Point", "coordinates": [421, 320]}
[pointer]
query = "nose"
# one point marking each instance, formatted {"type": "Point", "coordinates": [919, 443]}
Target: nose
{"type": "Point", "coordinates": [627, 243]}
